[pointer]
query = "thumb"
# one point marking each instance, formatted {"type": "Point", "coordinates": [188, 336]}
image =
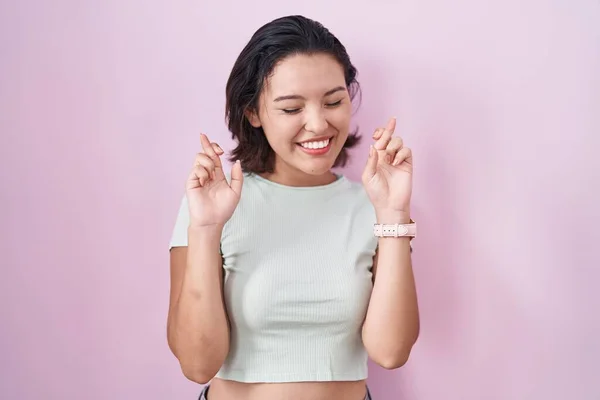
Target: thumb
{"type": "Point", "coordinates": [371, 167]}
{"type": "Point", "coordinates": [237, 177]}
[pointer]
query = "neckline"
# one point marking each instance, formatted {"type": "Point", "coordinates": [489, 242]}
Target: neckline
{"type": "Point", "coordinates": [339, 181]}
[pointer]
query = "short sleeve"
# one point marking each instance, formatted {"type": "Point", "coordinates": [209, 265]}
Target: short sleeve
{"type": "Point", "coordinates": [179, 236]}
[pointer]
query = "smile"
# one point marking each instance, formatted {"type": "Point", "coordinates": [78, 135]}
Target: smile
{"type": "Point", "coordinates": [316, 147]}
{"type": "Point", "coordinates": [321, 144]}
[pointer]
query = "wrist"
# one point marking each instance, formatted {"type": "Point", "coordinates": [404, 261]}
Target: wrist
{"type": "Point", "coordinates": [206, 232]}
{"type": "Point", "coordinates": [392, 217]}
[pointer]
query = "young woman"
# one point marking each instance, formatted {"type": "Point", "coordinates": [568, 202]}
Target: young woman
{"type": "Point", "coordinates": [284, 278]}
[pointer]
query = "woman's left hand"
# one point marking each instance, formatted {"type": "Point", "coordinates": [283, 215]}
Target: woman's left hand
{"type": "Point", "coordinates": [388, 176]}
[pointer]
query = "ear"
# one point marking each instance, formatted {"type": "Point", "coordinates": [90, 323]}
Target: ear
{"type": "Point", "coordinates": [253, 118]}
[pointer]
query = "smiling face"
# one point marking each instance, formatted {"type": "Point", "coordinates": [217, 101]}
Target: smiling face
{"type": "Point", "coordinates": [304, 110]}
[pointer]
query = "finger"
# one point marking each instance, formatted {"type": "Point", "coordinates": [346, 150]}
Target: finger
{"type": "Point", "coordinates": [383, 141]}
{"type": "Point", "coordinates": [391, 125]}
{"type": "Point", "coordinates": [210, 151]}
{"type": "Point", "coordinates": [198, 177]}
{"type": "Point", "coordinates": [237, 178]}
{"type": "Point", "coordinates": [371, 167]}
{"type": "Point", "coordinates": [217, 149]}
{"type": "Point", "coordinates": [206, 162]}
{"type": "Point", "coordinates": [392, 148]}
{"type": "Point", "coordinates": [404, 155]}
{"type": "Point", "coordinates": [378, 132]}
{"type": "Point", "coordinates": [394, 145]}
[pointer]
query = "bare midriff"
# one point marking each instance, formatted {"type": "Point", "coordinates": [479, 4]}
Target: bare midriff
{"type": "Point", "coordinates": [231, 390]}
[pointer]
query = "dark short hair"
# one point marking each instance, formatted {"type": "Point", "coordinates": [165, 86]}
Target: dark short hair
{"type": "Point", "coordinates": [270, 44]}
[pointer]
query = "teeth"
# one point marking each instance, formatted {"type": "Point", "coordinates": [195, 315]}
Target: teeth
{"type": "Point", "coordinates": [315, 145]}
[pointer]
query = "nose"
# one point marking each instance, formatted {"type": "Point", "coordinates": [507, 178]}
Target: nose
{"type": "Point", "coordinates": [316, 122]}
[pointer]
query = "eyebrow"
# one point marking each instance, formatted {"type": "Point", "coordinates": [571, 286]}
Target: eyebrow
{"type": "Point", "coordinates": [298, 97]}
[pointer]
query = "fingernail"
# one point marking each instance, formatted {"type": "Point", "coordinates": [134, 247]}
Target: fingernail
{"type": "Point", "coordinates": [220, 149]}
{"type": "Point", "coordinates": [395, 163]}
{"type": "Point", "coordinates": [371, 151]}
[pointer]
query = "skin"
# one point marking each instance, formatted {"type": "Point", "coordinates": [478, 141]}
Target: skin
{"type": "Point", "coordinates": [305, 98]}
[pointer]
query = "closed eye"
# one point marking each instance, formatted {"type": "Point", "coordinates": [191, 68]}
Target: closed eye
{"type": "Point", "coordinates": [297, 110]}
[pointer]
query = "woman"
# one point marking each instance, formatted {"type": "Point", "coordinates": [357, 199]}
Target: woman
{"type": "Point", "coordinates": [282, 282]}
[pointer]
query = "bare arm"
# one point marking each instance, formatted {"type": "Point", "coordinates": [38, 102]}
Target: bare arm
{"type": "Point", "coordinates": [392, 323]}
{"type": "Point", "coordinates": [197, 327]}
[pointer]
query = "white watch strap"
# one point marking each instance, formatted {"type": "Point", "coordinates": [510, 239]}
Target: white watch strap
{"type": "Point", "coordinates": [395, 230]}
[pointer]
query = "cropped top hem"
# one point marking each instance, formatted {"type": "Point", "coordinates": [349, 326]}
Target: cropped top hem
{"type": "Point", "coordinates": [287, 377]}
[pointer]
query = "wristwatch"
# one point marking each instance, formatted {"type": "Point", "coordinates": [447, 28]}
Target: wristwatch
{"type": "Point", "coordinates": [396, 230]}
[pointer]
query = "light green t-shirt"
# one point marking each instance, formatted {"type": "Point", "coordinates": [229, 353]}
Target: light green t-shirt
{"type": "Point", "coordinates": [297, 281]}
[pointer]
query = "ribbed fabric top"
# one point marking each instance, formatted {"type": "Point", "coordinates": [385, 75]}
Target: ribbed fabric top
{"type": "Point", "coordinates": [297, 282]}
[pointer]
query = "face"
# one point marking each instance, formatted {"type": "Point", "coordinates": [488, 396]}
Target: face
{"type": "Point", "coordinates": [305, 111]}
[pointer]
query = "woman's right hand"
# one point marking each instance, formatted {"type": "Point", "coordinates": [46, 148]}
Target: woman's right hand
{"type": "Point", "coordinates": [211, 199]}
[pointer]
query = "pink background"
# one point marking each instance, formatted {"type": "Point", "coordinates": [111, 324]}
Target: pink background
{"type": "Point", "coordinates": [101, 104]}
